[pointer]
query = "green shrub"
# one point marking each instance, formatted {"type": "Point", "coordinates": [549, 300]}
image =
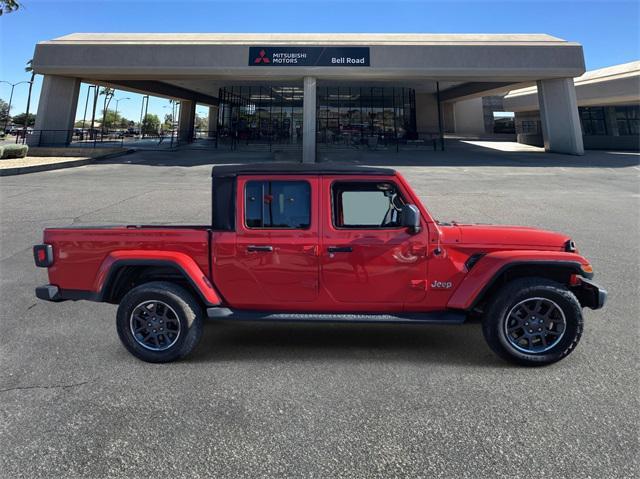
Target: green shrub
{"type": "Point", "coordinates": [14, 151]}
{"type": "Point", "coordinates": [1, 151]}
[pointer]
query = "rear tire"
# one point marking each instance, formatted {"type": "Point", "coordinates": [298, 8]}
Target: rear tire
{"type": "Point", "coordinates": [159, 322]}
{"type": "Point", "coordinates": [533, 322]}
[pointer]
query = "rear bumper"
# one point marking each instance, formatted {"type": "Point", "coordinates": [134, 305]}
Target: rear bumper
{"type": "Point", "coordinates": [590, 294]}
{"type": "Point", "coordinates": [50, 292]}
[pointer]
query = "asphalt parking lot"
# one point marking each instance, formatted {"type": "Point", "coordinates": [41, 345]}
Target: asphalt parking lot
{"type": "Point", "coordinates": [317, 400]}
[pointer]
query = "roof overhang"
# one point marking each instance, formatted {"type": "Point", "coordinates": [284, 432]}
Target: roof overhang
{"type": "Point", "coordinates": [505, 59]}
{"type": "Point", "coordinates": [615, 85]}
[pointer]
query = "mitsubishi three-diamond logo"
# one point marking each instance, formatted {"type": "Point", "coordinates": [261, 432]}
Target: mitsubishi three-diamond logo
{"type": "Point", "coordinates": [262, 58]}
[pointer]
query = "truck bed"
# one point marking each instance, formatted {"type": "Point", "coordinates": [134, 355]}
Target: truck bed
{"type": "Point", "coordinates": [80, 251]}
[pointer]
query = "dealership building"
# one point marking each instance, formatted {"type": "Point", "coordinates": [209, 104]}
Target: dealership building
{"type": "Point", "coordinates": [317, 89]}
{"type": "Point", "coordinates": [608, 106]}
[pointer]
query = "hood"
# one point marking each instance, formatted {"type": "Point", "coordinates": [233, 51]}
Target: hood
{"type": "Point", "coordinates": [500, 236]}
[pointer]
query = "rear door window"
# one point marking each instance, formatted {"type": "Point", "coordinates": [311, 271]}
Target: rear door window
{"type": "Point", "coordinates": [277, 204]}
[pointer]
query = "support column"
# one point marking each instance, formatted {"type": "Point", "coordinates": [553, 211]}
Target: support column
{"type": "Point", "coordinates": [309, 121]}
{"type": "Point", "coordinates": [449, 117]}
{"type": "Point", "coordinates": [426, 113]}
{"type": "Point", "coordinates": [56, 111]}
{"type": "Point", "coordinates": [213, 121]}
{"type": "Point", "coordinates": [559, 116]}
{"type": "Point", "coordinates": [186, 121]}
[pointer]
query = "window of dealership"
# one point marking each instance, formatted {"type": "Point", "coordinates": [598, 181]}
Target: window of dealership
{"type": "Point", "coordinates": [260, 113]}
{"type": "Point", "coordinates": [351, 115]}
{"type": "Point", "coordinates": [348, 116]}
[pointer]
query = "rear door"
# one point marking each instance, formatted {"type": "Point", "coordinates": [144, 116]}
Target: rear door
{"type": "Point", "coordinates": [277, 264]}
{"type": "Point", "coordinates": [366, 256]}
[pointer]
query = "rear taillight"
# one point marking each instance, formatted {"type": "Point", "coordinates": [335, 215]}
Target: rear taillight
{"type": "Point", "coordinates": [43, 255]}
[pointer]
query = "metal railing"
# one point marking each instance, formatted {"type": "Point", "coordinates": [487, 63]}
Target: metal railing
{"type": "Point", "coordinates": [234, 140]}
{"type": "Point", "coordinates": [415, 141]}
{"type": "Point", "coordinates": [225, 140]}
{"type": "Point", "coordinates": [253, 140]}
{"type": "Point", "coordinates": [78, 138]}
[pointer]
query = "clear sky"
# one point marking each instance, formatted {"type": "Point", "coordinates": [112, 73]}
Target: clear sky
{"type": "Point", "coordinates": [608, 30]}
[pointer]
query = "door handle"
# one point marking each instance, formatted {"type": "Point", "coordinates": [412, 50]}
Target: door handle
{"type": "Point", "coordinates": [311, 249]}
{"type": "Point", "coordinates": [418, 251]}
{"type": "Point", "coordinates": [254, 248]}
{"type": "Point", "coordinates": [339, 249]}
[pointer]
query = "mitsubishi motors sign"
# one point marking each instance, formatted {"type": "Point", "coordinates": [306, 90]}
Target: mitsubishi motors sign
{"type": "Point", "coordinates": [309, 56]}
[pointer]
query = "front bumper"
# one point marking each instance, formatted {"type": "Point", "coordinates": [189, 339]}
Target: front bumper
{"type": "Point", "coordinates": [590, 294]}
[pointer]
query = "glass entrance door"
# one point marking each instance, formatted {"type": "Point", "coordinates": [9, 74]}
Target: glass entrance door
{"type": "Point", "coordinates": [356, 116]}
{"type": "Point", "coordinates": [260, 114]}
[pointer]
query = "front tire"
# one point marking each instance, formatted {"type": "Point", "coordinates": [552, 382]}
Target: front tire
{"type": "Point", "coordinates": [533, 322]}
{"type": "Point", "coordinates": [159, 322]}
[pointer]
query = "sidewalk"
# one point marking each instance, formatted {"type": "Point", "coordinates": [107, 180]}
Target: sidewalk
{"type": "Point", "coordinates": [33, 164]}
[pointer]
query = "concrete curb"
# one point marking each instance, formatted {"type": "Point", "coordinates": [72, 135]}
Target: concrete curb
{"type": "Point", "coordinates": [22, 170]}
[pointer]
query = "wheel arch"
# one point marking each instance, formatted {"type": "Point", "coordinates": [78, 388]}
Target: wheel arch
{"type": "Point", "coordinates": [120, 274]}
{"type": "Point", "coordinates": [474, 298]}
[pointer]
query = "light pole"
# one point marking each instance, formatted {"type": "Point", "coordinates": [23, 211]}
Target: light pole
{"type": "Point", "coordinates": [26, 121]}
{"type": "Point", "coordinates": [146, 110]}
{"type": "Point", "coordinates": [118, 100]}
{"type": "Point", "coordinates": [145, 102]}
{"type": "Point", "coordinates": [92, 134]}
{"type": "Point", "coordinates": [86, 104]}
{"type": "Point", "coordinates": [174, 112]}
{"type": "Point", "coordinates": [13, 85]}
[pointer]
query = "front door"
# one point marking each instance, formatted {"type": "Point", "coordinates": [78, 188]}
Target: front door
{"type": "Point", "coordinates": [277, 263]}
{"type": "Point", "coordinates": [366, 256]}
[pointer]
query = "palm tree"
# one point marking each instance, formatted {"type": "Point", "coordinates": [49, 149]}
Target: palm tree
{"type": "Point", "coordinates": [8, 6]}
{"type": "Point", "coordinates": [108, 95]}
{"type": "Point", "coordinates": [29, 69]}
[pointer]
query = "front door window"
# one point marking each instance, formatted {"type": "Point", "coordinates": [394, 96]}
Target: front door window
{"type": "Point", "coordinates": [366, 205]}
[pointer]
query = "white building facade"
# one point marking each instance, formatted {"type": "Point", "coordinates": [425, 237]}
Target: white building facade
{"type": "Point", "coordinates": [315, 89]}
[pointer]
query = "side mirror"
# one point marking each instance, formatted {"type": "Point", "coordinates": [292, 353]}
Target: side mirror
{"type": "Point", "coordinates": [410, 217]}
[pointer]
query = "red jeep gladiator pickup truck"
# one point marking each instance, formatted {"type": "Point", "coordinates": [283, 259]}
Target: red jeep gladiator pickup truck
{"type": "Point", "coordinates": [324, 243]}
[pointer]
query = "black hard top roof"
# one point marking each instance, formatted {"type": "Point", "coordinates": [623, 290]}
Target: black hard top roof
{"type": "Point", "coordinates": [298, 169]}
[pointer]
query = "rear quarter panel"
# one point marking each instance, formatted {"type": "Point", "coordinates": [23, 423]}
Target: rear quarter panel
{"type": "Point", "coordinates": [80, 252]}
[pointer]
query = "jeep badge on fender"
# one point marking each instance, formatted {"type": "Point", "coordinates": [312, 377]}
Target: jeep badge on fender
{"type": "Point", "coordinates": [441, 285]}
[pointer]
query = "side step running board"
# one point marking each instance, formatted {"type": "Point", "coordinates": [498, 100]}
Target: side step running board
{"type": "Point", "coordinates": [438, 317]}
